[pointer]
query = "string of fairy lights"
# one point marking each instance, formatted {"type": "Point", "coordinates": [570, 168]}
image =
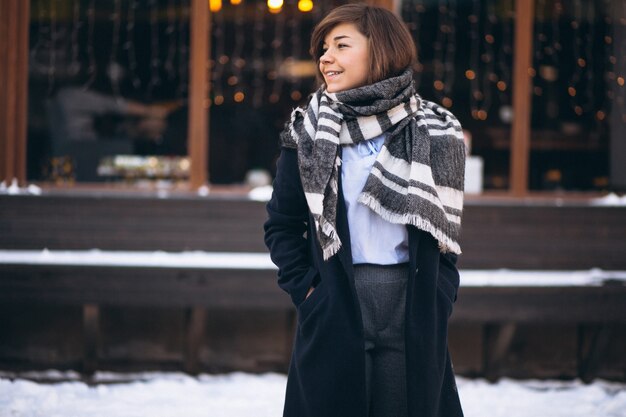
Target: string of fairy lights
{"type": "Point", "coordinates": [585, 98]}
{"type": "Point", "coordinates": [445, 52]}
{"type": "Point", "coordinates": [413, 12]}
{"type": "Point", "coordinates": [488, 68]}
{"type": "Point", "coordinates": [618, 59]}
{"type": "Point", "coordinates": [129, 46]}
{"type": "Point", "coordinates": [91, 56]}
{"type": "Point", "coordinates": [258, 65]}
{"type": "Point", "coordinates": [581, 99]}
{"type": "Point", "coordinates": [244, 68]}
{"type": "Point", "coordinates": [609, 74]}
{"type": "Point", "coordinates": [53, 45]}
{"type": "Point", "coordinates": [170, 30]}
{"type": "Point", "coordinates": [259, 48]}
{"type": "Point", "coordinates": [183, 48]}
{"type": "Point", "coordinates": [482, 73]}
{"type": "Point", "coordinates": [65, 45]}
{"type": "Point", "coordinates": [296, 49]}
{"type": "Point", "coordinates": [504, 54]}
{"type": "Point", "coordinates": [115, 42]}
{"type": "Point", "coordinates": [75, 64]}
{"type": "Point", "coordinates": [547, 49]}
{"type": "Point", "coordinates": [155, 59]}
{"type": "Point", "coordinates": [218, 66]}
{"type": "Point", "coordinates": [237, 61]}
{"type": "Point", "coordinates": [278, 57]}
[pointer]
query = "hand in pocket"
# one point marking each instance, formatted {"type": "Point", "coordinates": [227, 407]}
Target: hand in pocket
{"type": "Point", "coordinates": [309, 292]}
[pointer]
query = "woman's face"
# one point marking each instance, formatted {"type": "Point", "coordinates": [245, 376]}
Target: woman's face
{"type": "Point", "coordinates": [345, 63]}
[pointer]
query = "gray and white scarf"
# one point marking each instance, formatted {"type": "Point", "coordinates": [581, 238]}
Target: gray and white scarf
{"type": "Point", "coordinates": [418, 176]}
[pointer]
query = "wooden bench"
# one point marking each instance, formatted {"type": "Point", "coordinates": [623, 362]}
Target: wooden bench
{"type": "Point", "coordinates": [546, 234]}
{"type": "Point", "coordinates": [498, 300]}
{"type": "Point", "coordinates": [591, 300]}
{"type": "Point", "coordinates": [94, 279]}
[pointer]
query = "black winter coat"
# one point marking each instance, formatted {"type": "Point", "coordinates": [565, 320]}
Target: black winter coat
{"type": "Point", "coordinates": [327, 370]}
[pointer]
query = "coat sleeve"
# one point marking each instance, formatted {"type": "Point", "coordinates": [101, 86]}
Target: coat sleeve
{"type": "Point", "coordinates": [286, 227]}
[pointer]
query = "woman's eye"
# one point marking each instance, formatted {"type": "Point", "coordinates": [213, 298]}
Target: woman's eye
{"type": "Point", "coordinates": [342, 45]}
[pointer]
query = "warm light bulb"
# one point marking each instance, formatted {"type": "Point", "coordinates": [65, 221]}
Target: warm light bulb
{"type": "Point", "coordinates": [275, 6]}
{"type": "Point", "coordinates": [235, 2]}
{"type": "Point", "coordinates": [296, 95]}
{"type": "Point", "coordinates": [215, 5]}
{"type": "Point", "coordinates": [305, 5]}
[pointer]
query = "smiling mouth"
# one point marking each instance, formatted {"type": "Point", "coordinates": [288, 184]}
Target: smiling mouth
{"type": "Point", "coordinates": [333, 73]}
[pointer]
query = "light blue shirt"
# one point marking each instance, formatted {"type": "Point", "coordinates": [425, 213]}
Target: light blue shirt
{"type": "Point", "coordinates": [373, 239]}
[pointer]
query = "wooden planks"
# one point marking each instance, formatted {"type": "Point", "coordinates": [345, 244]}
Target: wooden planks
{"type": "Point", "coordinates": [143, 287]}
{"type": "Point", "coordinates": [502, 305]}
{"type": "Point", "coordinates": [515, 235]}
{"type": "Point", "coordinates": [543, 237]}
{"type": "Point", "coordinates": [131, 224]}
{"type": "Point", "coordinates": [257, 289]}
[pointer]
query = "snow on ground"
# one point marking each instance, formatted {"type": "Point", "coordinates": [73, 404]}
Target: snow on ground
{"type": "Point", "coordinates": [245, 395]}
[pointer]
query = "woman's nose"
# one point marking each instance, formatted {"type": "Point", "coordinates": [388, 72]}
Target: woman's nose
{"type": "Point", "coordinates": [326, 57]}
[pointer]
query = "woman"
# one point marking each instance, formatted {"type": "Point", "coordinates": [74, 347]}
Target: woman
{"type": "Point", "coordinates": [363, 226]}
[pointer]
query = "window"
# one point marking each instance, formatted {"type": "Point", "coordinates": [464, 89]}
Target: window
{"type": "Point", "coordinates": [125, 66]}
{"type": "Point", "coordinates": [467, 58]}
{"type": "Point", "coordinates": [107, 90]}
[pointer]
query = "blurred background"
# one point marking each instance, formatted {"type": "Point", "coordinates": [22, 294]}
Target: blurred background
{"type": "Point", "coordinates": [137, 135]}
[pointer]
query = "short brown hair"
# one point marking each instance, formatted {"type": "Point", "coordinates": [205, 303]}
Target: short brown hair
{"type": "Point", "coordinates": [391, 46]}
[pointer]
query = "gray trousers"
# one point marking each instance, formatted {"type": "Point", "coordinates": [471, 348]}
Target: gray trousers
{"type": "Point", "coordinates": [381, 290]}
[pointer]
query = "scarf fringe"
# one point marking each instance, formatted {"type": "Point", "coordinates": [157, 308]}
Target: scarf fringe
{"type": "Point", "coordinates": [446, 243]}
{"type": "Point", "coordinates": [331, 249]}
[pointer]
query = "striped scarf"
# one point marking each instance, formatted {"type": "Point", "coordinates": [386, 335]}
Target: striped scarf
{"type": "Point", "coordinates": [418, 176]}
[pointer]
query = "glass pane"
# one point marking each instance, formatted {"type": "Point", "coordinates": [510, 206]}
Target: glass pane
{"type": "Point", "coordinates": [465, 51]}
{"type": "Point", "coordinates": [578, 93]}
{"type": "Point", "coordinates": [260, 70]}
{"type": "Point", "coordinates": [108, 90]}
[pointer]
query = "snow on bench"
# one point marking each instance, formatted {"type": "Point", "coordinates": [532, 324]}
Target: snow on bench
{"type": "Point", "coordinates": [261, 261]}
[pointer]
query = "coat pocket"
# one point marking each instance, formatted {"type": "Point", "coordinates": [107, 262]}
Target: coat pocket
{"type": "Point", "coordinates": [447, 292]}
{"type": "Point", "coordinates": [307, 308]}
